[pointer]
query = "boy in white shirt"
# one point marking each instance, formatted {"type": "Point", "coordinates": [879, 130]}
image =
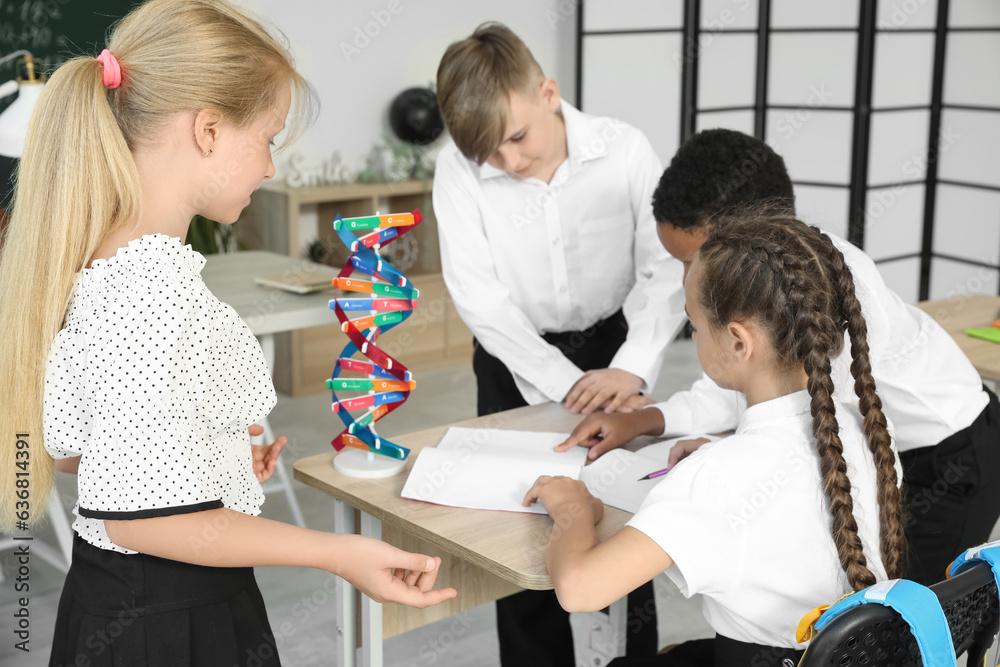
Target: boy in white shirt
{"type": "Point", "coordinates": [947, 423]}
{"type": "Point", "coordinates": [549, 251]}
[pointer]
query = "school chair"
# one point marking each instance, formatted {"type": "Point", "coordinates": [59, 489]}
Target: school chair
{"type": "Point", "coordinates": [873, 635]}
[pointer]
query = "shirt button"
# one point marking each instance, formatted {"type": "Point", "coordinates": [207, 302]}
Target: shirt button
{"type": "Point", "coordinates": [562, 290]}
{"type": "Point", "coordinates": [555, 241]}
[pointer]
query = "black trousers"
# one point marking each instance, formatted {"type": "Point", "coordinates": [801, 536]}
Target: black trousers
{"type": "Point", "coordinates": [532, 627]}
{"type": "Point", "coordinates": [718, 652]}
{"type": "Point", "coordinates": [952, 495]}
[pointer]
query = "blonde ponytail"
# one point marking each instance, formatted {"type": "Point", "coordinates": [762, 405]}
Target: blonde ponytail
{"type": "Point", "coordinates": [77, 183]}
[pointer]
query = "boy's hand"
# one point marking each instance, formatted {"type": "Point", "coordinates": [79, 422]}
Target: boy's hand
{"type": "Point", "coordinates": [387, 574]}
{"type": "Point", "coordinates": [560, 494]}
{"type": "Point", "coordinates": [265, 457]}
{"type": "Point", "coordinates": [602, 433]}
{"type": "Point", "coordinates": [606, 388]}
{"type": "Point", "coordinates": [683, 449]}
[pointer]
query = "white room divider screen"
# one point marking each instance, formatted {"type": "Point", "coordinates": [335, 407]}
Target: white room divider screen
{"type": "Point", "coordinates": [850, 93]}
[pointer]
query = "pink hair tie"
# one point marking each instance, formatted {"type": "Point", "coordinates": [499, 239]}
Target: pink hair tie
{"type": "Point", "coordinates": [112, 70]}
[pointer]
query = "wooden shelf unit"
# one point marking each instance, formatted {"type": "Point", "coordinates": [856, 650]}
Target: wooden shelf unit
{"type": "Point", "coordinates": [433, 337]}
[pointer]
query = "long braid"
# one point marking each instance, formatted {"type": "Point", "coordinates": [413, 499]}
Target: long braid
{"type": "Point", "coordinates": [814, 339]}
{"type": "Point", "coordinates": [788, 277]}
{"type": "Point", "coordinates": [833, 468]}
{"type": "Point", "coordinates": [890, 499]}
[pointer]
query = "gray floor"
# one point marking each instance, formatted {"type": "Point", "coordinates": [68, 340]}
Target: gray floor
{"type": "Point", "coordinates": [298, 599]}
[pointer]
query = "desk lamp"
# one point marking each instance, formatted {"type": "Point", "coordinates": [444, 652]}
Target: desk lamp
{"type": "Point", "coordinates": [14, 119]}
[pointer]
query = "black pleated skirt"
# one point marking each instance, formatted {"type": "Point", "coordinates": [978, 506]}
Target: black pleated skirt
{"type": "Point", "coordinates": [134, 610]}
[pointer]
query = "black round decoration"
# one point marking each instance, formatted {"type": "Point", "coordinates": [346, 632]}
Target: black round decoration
{"type": "Point", "coordinates": [414, 116]}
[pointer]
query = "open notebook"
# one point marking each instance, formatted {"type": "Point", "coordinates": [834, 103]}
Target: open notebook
{"type": "Point", "coordinates": [492, 469]}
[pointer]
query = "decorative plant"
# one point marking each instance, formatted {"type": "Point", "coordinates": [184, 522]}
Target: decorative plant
{"type": "Point", "coordinates": [394, 161]}
{"type": "Point", "coordinates": [317, 251]}
{"type": "Point", "coordinates": [209, 237]}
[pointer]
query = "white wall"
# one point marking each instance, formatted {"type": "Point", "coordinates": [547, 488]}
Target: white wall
{"type": "Point", "coordinates": [811, 75]}
{"type": "Point", "coordinates": [356, 88]}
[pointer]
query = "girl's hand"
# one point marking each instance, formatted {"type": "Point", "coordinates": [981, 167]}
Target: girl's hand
{"type": "Point", "coordinates": [265, 457]}
{"type": "Point", "coordinates": [683, 449]}
{"type": "Point", "coordinates": [562, 494]}
{"type": "Point", "coordinates": [387, 574]}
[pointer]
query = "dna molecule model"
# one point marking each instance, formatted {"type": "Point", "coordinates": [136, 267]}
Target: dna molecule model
{"type": "Point", "coordinates": [386, 381]}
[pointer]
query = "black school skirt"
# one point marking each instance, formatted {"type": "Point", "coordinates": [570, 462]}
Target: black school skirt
{"type": "Point", "coordinates": [134, 610]}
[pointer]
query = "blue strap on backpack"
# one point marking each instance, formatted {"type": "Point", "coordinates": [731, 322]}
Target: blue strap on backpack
{"type": "Point", "coordinates": [989, 552]}
{"type": "Point", "coordinates": [919, 607]}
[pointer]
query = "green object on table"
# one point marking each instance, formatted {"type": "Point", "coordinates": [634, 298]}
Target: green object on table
{"type": "Point", "coordinates": [349, 384]}
{"type": "Point", "coordinates": [991, 334]}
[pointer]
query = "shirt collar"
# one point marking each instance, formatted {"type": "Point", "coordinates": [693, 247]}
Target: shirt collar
{"type": "Point", "coordinates": [582, 141]}
{"type": "Point", "coordinates": [777, 409]}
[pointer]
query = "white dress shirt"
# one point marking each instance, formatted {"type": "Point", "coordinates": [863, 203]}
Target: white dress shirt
{"type": "Point", "coordinates": [522, 257]}
{"type": "Point", "coordinates": [928, 387]}
{"type": "Point", "coordinates": [747, 524]}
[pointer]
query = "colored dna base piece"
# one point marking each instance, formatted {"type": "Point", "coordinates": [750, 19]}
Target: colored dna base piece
{"type": "Point", "coordinates": [387, 382]}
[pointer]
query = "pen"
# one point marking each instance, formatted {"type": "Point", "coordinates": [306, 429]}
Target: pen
{"type": "Point", "coordinates": [655, 474]}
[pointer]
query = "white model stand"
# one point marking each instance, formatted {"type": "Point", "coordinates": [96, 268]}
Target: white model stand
{"type": "Point", "coordinates": [356, 463]}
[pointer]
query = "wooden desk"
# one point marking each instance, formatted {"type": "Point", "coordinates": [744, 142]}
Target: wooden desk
{"type": "Point", "coordinates": [971, 311]}
{"type": "Point", "coordinates": [267, 310]}
{"type": "Point", "coordinates": [485, 555]}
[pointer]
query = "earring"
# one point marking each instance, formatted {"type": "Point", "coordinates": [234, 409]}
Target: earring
{"type": "Point", "coordinates": [209, 152]}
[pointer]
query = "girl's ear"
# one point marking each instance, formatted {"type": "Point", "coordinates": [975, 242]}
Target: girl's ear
{"type": "Point", "coordinates": [740, 340]}
{"type": "Point", "coordinates": [207, 124]}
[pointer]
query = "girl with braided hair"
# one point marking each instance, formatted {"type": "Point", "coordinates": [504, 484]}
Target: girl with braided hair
{"type": "Point", "coordinates": [800, 505]}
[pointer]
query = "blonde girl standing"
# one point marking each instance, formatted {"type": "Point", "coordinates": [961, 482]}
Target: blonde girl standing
{"type": "Point", "coordinates": [800, 505]}
{"type": "Point", "coordinates": [134, 373]}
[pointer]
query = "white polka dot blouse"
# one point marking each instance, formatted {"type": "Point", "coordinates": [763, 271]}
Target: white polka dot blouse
{"type": "Point", "coordinates": [154, 381]}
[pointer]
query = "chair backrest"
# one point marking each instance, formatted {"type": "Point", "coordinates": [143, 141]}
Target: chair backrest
{"type": "Point", "coordinates": [874, 635]}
